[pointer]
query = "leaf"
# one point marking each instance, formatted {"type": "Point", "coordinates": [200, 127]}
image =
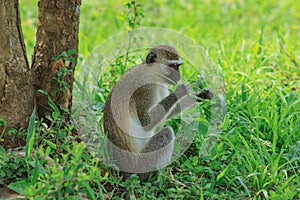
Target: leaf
{"type": "Point", "coordinates": [30, 135]}
{"type": "Point", "coordinates": [223, 172]}
{"type": "Point", "coordinates": [21, 187]}
{"type": "Point", "coordinates": [64, 54]}
{"type": "Point", "coordinates": [58, 57]}
{"type": "Point", "coordinates": [244, 185]}
{"type": "Point", "coordinates": [3, 123]}
{"type": "Point", "coordinates": [295, 150]}
{"type": "Point", "coordinates": [35, 172]}
{"type": "Point", "coordinates": [72, 51]}
{"type": "Point", "coordinates": [51, 144]}
{"type": "Point", "coordinates": [51, 104]}
{"type": "Point", "coordinates": [37, 165]}
{"type": "Point", "coordinates": [12, 131]}
{"type": "Point", "coordinates": [2, 154]}
{"type": "Point", "coordinates": [43, 92]}
{"type": "Point", "coordinates": [243, 89]}
{"type": "Point", "coordinates": [71, 60]}
{"type": "Point", "coordinates": [101, 195]}
{"type": "Point", "coordinates": [89, 190]}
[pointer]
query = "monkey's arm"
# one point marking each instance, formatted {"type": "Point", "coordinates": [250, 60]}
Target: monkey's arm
{"type": "Point", "coordinates": [189, 100]}
{"type": "Point", "coordinates": [184, 104]}
{"type": "Point", "coordinates": [161, 110]}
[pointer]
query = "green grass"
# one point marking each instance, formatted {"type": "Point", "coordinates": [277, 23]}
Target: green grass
{"type": "Point", "coordinates": [257, 155]}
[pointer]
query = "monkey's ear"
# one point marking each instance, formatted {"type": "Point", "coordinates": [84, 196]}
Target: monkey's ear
{"type": "Point", "coordinates": [151, 58]}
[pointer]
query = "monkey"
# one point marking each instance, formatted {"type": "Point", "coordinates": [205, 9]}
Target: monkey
{"type": "Point", "coordinates": [138, 104]}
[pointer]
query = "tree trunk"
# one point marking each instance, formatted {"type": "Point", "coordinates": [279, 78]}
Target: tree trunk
{"type": "Point", "coordinates": [57, 31]}
{"type": "Point", "coordinates": [16, 90]}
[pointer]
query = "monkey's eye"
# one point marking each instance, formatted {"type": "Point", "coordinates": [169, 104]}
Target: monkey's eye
{"type": "Point", "coordinates": [174, 66]}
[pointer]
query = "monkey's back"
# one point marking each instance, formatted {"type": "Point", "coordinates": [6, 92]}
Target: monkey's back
{"type": "Point", "coordinates": [136, 117]}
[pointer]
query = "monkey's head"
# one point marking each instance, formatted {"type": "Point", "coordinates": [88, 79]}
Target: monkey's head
{"type": "Point", "coordinates": [164, 54]}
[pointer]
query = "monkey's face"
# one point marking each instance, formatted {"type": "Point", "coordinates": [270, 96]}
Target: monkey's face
{"type": "Point", "coordinates": [165, 55]}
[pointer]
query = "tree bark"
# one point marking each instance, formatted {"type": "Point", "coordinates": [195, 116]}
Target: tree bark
{"type": "Point", "coordinates": [57, 31]}
{"type": "Point", "coordinates": [16, 90]}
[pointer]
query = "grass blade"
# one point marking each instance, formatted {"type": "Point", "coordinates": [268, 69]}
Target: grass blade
{"type": "Point", "coordinates": [30, 135]}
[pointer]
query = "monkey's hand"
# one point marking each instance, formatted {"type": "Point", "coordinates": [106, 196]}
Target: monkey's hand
{"type": "Point", "coordinates": [206, 93]}
{"type": "Point", "coordinates": [182, 90]}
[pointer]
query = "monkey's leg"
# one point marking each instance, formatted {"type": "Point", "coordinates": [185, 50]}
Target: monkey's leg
{"type": "Point", "coordinates": [158, 152]}
{"type": "Point", "coordinates": [160, 140]}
